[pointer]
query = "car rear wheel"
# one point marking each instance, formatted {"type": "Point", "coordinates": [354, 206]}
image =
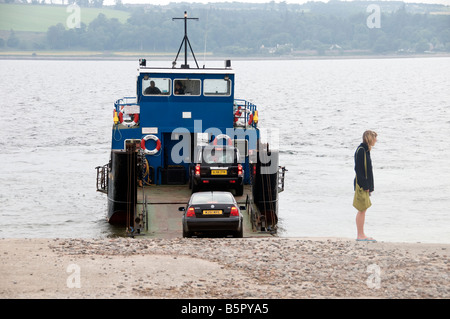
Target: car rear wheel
{"type": "Point", "coordinates": [239, 233]}
{"type": "Point", "coordinates": [193, 187]}
{"type": "Point", "coordinates": [240, 190]}
{"type": "Point", "coordinates": [186, 234]}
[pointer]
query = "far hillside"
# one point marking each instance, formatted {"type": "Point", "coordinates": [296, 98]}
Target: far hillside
{"type": "Point", "coordinates": [38, 18]}
{"type": "Point", "coordinates": [271, 29]}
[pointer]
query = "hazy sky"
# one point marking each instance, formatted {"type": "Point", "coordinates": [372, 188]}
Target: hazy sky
{"type": "Point", "coordinates": [162, 2]}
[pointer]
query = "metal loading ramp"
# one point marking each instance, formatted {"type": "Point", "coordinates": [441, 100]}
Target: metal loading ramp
{"type": "Point", "coordinates": [162, 219]}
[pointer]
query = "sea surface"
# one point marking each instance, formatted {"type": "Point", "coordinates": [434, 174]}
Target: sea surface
{"type": "Point", "coordinates": [56, 128]}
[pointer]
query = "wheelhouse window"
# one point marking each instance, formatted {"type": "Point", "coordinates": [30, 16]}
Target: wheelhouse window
{"type": "Point", "coordinates": [186, 87]}
{"type": "Point", "coordinates": [155, 86]}
{"type": "Point", "coordinates": [217, 87]}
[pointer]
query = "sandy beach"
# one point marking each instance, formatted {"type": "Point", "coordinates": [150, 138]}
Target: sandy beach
{"type": "Point", "coordinates": [218, 268]}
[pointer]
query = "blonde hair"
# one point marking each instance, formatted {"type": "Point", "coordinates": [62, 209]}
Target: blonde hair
{"type": "Point", "coordinates": [369, 138]}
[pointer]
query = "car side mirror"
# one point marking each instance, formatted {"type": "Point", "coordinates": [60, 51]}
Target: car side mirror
{"type": "Point", "coordinates": [181, 209]}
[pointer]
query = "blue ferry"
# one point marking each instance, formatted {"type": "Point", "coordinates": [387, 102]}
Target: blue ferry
{"type": "Point", "coordinates": [160, 142]}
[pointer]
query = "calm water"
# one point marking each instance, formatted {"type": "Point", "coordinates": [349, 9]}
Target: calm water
{"type": "Point", "coordinates": [57, 117]}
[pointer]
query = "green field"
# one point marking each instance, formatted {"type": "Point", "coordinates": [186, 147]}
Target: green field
{"type": "Point", "coordinates": [38, 18]}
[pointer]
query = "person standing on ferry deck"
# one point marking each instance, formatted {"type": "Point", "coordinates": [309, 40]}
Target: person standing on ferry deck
{"type": "Point", "coordinates": [364, 176]}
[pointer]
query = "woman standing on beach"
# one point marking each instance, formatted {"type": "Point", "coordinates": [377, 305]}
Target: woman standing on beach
{"type": "Point", "coordinates": [364, 180]}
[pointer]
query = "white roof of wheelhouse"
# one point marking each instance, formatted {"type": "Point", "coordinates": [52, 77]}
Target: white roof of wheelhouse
{"type": "Point", "coordinates": [184, 71]}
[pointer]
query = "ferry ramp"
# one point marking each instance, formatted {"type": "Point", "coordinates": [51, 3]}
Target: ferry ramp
{"type": "Point", "coordinates": [163, 219]}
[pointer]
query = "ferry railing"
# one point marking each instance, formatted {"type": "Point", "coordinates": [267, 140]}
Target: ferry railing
{"type": "Point", "coordinates": [102, 178]}
{"type": "Point", "coordinates": [281, 175]}
{"type": "Point", "coordinates": [125, 101]}
{"type": "Point", "coordinates": [243, 111]}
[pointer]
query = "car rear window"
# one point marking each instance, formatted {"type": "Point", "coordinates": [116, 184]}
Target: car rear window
{"type": "Point", "coordinates": [219, 155]}
{"type": "Point", "coordinates": [212, 198]}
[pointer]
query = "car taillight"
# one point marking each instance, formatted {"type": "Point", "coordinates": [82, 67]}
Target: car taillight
{"type": "Point", "coordinates": [239, 169]}
{"type": "Point", "coordinates": [190, 212]}
{"type": "Point", "coordinates": [234, 211]}
{"type": "Point", "coordinates": [197, 170]}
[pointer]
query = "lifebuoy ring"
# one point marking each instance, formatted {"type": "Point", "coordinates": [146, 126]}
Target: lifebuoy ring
{"type": "Point", "coordinates": [237, 114]}
{"type": "Point", "coordinates": [129, 124]}
{"type": "Point", "coordinates": [250, 119]}
{"type": "Point", "coordinates": [221, 136]}
{"type": "Point", "coordinates": [157, 147]}
{"type": "Point", "coordinates": [240, 117]}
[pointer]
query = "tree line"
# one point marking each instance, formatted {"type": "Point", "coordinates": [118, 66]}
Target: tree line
{"type": "Point", "coordinates": [251, 29]}
{"type": "Point", "coordinates": [81, 3]}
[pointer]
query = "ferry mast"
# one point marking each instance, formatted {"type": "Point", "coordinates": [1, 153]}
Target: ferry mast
{"type": "Point", "coordinates": [186, 42]}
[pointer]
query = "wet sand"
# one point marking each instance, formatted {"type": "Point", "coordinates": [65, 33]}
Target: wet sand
{"type": "Point", "coordinates": [221, 268]}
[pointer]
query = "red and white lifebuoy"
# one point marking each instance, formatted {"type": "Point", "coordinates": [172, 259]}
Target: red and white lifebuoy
{"type": "Point", "coordinates": [157, 147]}
{"type": "Point", "coordinates": [129, 124]}
{"type": "Point", "coordinates": [223, 136]}
{"type": "Point", "coordinates": [240, 116]}
{"type": "Point", "coordinates": [250, 119]}
{"type": "Point", "coordinates": [237, 114]}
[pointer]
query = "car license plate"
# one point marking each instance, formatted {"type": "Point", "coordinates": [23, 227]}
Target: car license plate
{"type": "Point", "coordinates": [212, 212]}
{"type": "Point", "coordinates": [219, 172]}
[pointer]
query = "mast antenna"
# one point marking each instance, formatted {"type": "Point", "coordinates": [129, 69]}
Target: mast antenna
{"type": "Point", "coordinates": [186, 42]}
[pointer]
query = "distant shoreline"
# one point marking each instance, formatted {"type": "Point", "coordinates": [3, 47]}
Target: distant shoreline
{"type": "Point", "coordinates": [132, 56]}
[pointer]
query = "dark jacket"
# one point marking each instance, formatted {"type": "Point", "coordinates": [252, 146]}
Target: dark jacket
{"type": "Point", "coordinates": [365, 183]}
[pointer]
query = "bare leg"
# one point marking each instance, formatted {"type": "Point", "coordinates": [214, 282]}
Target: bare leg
{"type": "Point", "coordinates": [360, 218]}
